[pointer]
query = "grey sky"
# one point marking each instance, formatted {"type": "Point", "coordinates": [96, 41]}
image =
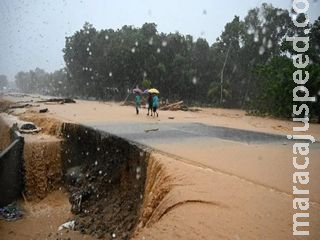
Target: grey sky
{"type": "Point", "coordinates": [32, 32]}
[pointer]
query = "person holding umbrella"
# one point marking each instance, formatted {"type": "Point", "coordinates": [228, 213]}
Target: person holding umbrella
{"type": "Point", "coordinates": [155, 101]}
{"type": "Point", "coordinates": [137, 99]}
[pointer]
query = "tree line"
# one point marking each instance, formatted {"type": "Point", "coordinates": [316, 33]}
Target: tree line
{"type": "Point", "coordinates": [249, 66]}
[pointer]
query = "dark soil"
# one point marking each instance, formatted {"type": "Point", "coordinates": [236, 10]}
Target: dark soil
{"type": "Point", "coordinates": [106, 204]}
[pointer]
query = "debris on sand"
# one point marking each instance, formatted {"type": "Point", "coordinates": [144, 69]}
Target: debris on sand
{"type": "Point", "coordinates": [44, 110]}
{"type": "Point", "coordinates": [67, 225]}
{"type": "Point", "coordinates": [175, 107]}
{"type": "Point", "coordinates": [29, 128]}
{"type": "Point", "coordinates": [57, 100]}
{"type": "Point", "coordinates": [21, 106]}
{"type": "Point", "coordinates": [151, 130]}
{"type": "Point", "coordinates": [11, 212]}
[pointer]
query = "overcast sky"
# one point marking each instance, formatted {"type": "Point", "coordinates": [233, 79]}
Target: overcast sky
{"type": "Point", "coordinates": [32, 32]}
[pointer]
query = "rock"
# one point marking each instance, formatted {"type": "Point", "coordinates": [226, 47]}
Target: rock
{"type": "Point", "coordinates": [44, 110]}
{"type": "Point", "coordinates": [28, 126]}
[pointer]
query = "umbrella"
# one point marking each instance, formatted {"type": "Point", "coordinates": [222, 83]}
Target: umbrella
{"type": "Point", "coordinates": [153, 90]}
{"type": "Point", "coordinates": [137, 90]}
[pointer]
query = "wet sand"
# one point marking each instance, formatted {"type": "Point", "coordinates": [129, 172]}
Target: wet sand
{"type": "Point", "coordinates": [213, 190]}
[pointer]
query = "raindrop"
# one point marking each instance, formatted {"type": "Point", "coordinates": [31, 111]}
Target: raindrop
{"type": "Point", "coordinates": [164, 43]}
{"type": "Point", "coordinates": [100, 172]}
{"type": "Point", "coordinates": [90, 53]}
{"type": "Point", "coordinates": [264, 30]}
{"type": "Point", "coordinates": [110, 74]}
{"type": "Point", "coordinates": [158, 50]}
{"type": "Point", "coordinates": [194, 80]}
{"type": "Point", "coordinates": [138, 169]}
{"type": "Point", "coordinates": [234, 68]}
{"type": "Point", "coordinates": [106, 37]}
{"type": "Point", "coordinates": [264, 40]}
{"type": "Point", "coordinates": [96, 163]}
{"type": "Point", "coordinates": [256, 36]}
{"type": "Point", "coordinates": [144, 74]}
{"type": "Point", "coordinates": [98, 149]}
{"type": "Point", "coordinates": [138, 175]}
{"type": "Point", "coordinates": [133, 50]}
{"type": "Point", "coordinates": [261, 50]}
{"type": "Point", "coordinates": [113, 235]}
{"type": "Point", "coordinates": [91, 77]}
{"type": "Point", "coordinates": [250, 31]}
{"type": "Point", "coordinates": [87, 84]}
{"type": "Point", "coordinates": [87, 153]}
{"type": "Point", "coordinates": [90, 69]}
{"type": "Point", "coordinates": [136, 43]}
{"type": "Point", "coordinates": [70, 47]}
{"type": "Point", "coordinates": [269, 43]}
{"type": "Point", "coordinates": [89, 44]}
{"type": "Point", "coordinates": [71, 59]}
{"type": "Point", "coordinates": [204, 12]}
{"type": "Point", "coordinates": [151, 41]}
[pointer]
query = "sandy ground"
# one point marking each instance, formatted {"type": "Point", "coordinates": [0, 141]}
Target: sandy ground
{"type": "Point", "coordinates": [42, 220]}
{"type": "Point", "coordinates": [224, 190]}
{"type": "Point", "coordinates": [92, 111]}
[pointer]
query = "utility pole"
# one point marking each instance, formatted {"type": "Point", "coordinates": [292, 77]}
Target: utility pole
{"type": "Point", "coordinates": [221, 82]}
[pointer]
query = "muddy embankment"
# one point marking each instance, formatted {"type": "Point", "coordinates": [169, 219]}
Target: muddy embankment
{"type": "Point", "coordinates": [114, 185]}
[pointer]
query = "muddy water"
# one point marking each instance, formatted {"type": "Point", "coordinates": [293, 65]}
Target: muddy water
{"type": "Point", "coordinates": [42, 163]}
{"type": "Point", "coordinates": [4, 135]}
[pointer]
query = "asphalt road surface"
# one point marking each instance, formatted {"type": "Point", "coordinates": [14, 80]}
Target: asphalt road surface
{"type": "Point", "coordinates": [149, 133]}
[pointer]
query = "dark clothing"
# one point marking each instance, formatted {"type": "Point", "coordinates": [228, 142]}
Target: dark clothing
{"type": "Point", "coordinates": [150, 103]}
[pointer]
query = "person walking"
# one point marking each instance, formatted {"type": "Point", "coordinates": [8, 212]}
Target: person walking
{"type": "Point", "coordinates": [150, 104]}
{"type": "Point", "coordinates": [137, 100]}
{"type": "Point", "coordinates": [155, 105]}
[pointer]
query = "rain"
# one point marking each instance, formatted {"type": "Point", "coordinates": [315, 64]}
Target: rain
{"type": "Point", "coordinates": [130, 120]}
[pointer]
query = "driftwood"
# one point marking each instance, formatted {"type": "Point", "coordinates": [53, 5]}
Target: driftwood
{"type": "Point", "coordinates": [21, 106]}
{"type": "Point", "coordinates": [58, 100]}
{"type": "Point", "coordinates": [151, 130]}
{"type": "Point", "coordinates": [175, 107]}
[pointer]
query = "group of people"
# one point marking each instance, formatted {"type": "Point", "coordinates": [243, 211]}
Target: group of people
{"type": "Point", "coordinates": [152, 102]}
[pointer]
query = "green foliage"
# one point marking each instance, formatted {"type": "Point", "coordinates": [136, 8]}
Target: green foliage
{"type": "Point", "coordinates": [249, 66]}
{"type": "Point", "coordinates": [39, 81]}
{"type": "Point", "coordinates": [146, 84]}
